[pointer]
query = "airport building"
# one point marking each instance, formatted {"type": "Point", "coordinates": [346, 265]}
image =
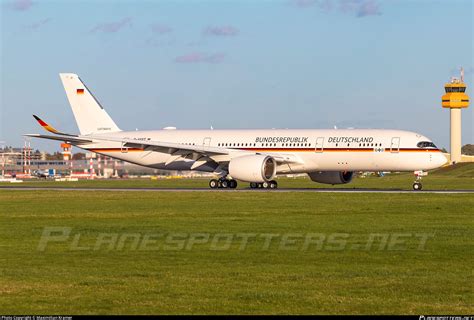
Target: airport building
{"type": "Point", "coordinates": [25, 163]}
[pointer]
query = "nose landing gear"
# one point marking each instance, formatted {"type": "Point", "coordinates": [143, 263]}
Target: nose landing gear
{"type": "Point", "coordinates": [417, 186]}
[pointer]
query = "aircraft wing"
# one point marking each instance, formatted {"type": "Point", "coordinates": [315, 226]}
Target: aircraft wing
{"type": "Point", "coordinates": [177, 150]}
{"type": "Point", "coordinates": [284, 158]}
{"type": "Point", "coordinates": [66, 138]}
{"type": "Point", "coordinates": [50, 128]}
{"type": "Point", "coordinates": [58, 135]}
{"type": "Point", "coordinates": [166, 147]}
{"type": "Point", "coordinates": [216, 153]}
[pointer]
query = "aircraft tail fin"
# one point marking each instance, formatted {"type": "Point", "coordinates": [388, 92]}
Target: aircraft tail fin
{"type": "Point", "coordinates": [89, 114]}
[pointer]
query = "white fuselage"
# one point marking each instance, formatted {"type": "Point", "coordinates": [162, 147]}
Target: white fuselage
{"type": "Point", "coordinates": [308, 150]}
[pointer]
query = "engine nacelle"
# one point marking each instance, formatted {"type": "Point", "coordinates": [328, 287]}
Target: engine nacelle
{"type": "Point", "coordinates": [332, 177]}
{"type": "Point", "coordinates": [253, 168]}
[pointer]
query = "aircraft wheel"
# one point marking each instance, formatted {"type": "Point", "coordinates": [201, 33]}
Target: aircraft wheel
{"type": "Point", "coordinates": [224, 183]}
{"type": "Point", "coordinates": [417, 186]}
{"type": "Point", "coordinates": [273, 184]}
{"type": "Point", "coordinates": [253, 185]}
{"type": "Point", "coordinates": [232, 184]}
{"type": "Point", "coordinates": [265, 185]}
{"type": "Point", "coordinates": [213, 184]}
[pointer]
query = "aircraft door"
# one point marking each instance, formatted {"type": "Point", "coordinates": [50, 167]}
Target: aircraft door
{"type": "Point", "coordinates": [395, 145]}
{"type": "Point", "coordinates": [123, 148]}
{"type": "Point", "coordinates": [206, 142]}
{"type": "Point", "coordinates": [319, 147]}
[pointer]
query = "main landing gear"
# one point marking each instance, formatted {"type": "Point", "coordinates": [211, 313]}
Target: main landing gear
{"type": "Point", "coordinates": [223, 183]}
{"type": "Point", "coordinates": [417, 186]}
{"type": "Point", "coordinates": [264, 185]}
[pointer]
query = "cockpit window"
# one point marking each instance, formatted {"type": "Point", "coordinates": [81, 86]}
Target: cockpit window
{"type": "Point", "coordinates": [426, 144]}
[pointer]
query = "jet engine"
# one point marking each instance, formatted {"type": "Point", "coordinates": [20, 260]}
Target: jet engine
{"type": "Point", "coordinates": [332, 177]}
{"type": "Point", "coordinates": [253, 168]}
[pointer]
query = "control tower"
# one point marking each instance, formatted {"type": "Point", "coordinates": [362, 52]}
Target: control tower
{"type": "Point", "coordinates": [455, 99]}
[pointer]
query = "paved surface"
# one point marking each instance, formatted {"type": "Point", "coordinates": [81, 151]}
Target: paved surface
{"type": "Point", "coordinates": [26, 188]}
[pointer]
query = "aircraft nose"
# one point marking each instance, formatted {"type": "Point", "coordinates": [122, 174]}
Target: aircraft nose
{"type": "Point", "coordinates": [439, 159]}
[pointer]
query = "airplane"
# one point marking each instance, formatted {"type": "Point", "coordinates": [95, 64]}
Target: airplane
{"type": "Point", "coordinates": [42, 174]}
{"type": "Point", "coordinates": [329, 156]}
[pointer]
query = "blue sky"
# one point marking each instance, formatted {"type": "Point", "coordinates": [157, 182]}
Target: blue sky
{"type": "Point", "coordinates": [237, 64]}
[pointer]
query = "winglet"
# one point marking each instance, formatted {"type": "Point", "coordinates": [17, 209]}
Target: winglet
{"type": "Point", "coordinates": [46, 126]}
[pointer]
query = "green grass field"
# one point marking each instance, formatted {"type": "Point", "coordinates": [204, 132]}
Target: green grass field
{"type": "Point", "coordinates": [456, 177]}
{"type": "Point", "coordinates": [368, 256]}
